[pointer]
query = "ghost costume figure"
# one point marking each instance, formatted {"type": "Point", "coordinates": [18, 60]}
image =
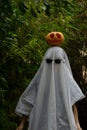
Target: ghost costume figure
{"type": "Point", "coordinates": [51, 94]}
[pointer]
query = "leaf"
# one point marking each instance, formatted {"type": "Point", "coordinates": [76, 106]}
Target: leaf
{"type": "Point", "coordinates": [22, 7]}
{"type": "Point", "coordinates": [33, 12]}
{"type": "Point", "coordinates": [38, 10]}
{"type": "Point", "coordinates": [73, 27]}
{"type": "Point", "coordinates": [46, 4]}
{"type": "Point", "coordinates": [37, 1]}
{"type": "Point", "coordinates": [47, 11]}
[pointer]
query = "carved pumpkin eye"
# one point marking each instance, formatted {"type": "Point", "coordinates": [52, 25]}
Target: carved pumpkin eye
{"type": "Point", "coordinates": [48, 61]}
{"type": "Point", "coordinates": [58, 61]}
{"type": "Point", "coordinates": [58, 35]}
{"type": "Point", "coordinates": [51, 35]}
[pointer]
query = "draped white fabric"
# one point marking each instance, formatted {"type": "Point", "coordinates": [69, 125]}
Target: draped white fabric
{"type": "Point", "coordinates": [51, 94]}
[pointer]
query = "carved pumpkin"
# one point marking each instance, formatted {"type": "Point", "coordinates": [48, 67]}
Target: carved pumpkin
{"type": "Point", "coordinates": [54, 38]}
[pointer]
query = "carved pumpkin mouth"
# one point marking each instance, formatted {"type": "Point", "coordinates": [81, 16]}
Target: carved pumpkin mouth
{"type": "Point", "coordinates": [54, 38]}
{"type": "Point", "coordinates": [54, 41]}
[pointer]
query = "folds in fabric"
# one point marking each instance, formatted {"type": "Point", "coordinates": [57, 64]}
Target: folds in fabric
{"type": "Point", "coordinates": [51, 94]}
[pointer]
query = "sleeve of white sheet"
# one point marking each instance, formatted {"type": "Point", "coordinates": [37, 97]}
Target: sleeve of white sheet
{"type": "Point", "coordinates": [76, 93]}
{"type": "Point", "coordinates": [27, 99]}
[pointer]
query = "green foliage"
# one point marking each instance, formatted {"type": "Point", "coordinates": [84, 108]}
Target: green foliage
{"type": "Point", "coordinates": [23, 27]}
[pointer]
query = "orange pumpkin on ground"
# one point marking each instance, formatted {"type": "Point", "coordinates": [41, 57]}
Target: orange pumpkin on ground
{"type": "Point", "coordinates": [55, 38]}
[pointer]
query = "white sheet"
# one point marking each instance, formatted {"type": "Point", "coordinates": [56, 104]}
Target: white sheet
{"type": "Point", "coordinates": [51, 94]}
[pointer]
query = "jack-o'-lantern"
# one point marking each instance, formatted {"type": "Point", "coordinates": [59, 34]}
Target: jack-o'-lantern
{"type": "Point", "coordinates": [54, 38]}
